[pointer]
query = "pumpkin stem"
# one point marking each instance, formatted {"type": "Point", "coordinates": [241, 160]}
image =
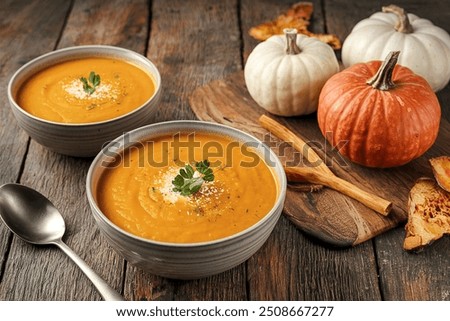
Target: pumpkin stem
{"type": "Point", "coordinates": [291, 37]}
{"type": "Point", "coordinates": [403, 24]}
{"type": "Point", "coordinates": [383, 78]}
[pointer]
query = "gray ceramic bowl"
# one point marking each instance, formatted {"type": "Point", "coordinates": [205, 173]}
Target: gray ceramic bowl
{"type": "Point", "coordinates": [81, 139]}
{"type": "Point", "coordinates": [187, 260]}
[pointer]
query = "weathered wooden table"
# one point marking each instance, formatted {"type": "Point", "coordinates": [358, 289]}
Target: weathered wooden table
{"type": "Point", "coordinates": [192, 43]}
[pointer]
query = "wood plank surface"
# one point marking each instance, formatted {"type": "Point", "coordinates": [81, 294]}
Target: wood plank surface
{"type": "Point", "coordinates": [62, 178]}
{"type": "Point", "coordinates": [27, 30]}
{"type": "Point", "coordinates": [194, 43]}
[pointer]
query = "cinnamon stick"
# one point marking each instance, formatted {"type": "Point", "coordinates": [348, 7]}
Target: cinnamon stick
{"type": "Point", "coordinates": [295, 141]}
{"type": "Point", "coordinates": [372, 201]}
{"type": "Point", "coordinates": [321, 174]}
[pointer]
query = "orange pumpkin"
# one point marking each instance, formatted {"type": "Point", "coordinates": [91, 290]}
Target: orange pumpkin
{"type": "Point", "coordinates": [379, 115]}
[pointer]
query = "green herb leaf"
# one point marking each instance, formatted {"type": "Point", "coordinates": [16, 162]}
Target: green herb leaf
{"type": "Point", "coordinates": [203, 168]}
{"type": "Point", "coordinates": [186, 184]}
{"type": "Point", "coordinates": [93, 82]}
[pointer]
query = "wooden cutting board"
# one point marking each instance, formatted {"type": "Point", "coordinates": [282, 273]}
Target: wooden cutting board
{"type": "Point", "coordinates": [326, 214]}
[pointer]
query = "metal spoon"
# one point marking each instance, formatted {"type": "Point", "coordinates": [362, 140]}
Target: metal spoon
{"type": "Point", "coordinates": [33, 218]}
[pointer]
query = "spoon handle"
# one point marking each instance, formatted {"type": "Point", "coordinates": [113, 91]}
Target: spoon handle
{"type": "Point", "coordinates": [107, 292]}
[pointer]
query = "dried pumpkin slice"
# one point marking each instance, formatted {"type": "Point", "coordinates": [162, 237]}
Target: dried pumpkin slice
{"type": "Point", "coordinates": [297, 16]}
{"type": "Point", "coordinates": [268, 29]}
{"type": "Point", "coordinates": [441, 171]}
{"type": "Point", "coordinates": [428, 214]}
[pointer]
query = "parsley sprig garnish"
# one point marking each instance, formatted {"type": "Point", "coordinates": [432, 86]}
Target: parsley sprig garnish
{"type": "Point", "coordinates": [187, 184]}
{"type": "Point", "coordinates": [91, 83]}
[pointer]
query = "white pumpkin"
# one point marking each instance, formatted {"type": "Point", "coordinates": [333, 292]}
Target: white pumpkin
{"type": "Point", "coordinates": [425, 48]}
{"type": "Point", "coordinates": [285, 73]}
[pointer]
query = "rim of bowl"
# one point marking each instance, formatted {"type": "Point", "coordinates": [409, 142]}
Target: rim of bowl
{"type": "Point", "coordinates": [144, 59]}
{"type": "Point", "coordinates": [279, 200]}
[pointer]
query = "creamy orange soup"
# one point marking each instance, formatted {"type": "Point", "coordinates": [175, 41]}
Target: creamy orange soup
{"type": "Point", "coordinates": [57, 93]}
{"type": "Point", "coordinates": [137, 193]}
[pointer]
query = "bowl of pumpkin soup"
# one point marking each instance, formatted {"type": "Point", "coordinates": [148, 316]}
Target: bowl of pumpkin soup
{"type": "Point", "coordinates": [76, 99]}
{"type": "Point", "coordinates": [186, 199]}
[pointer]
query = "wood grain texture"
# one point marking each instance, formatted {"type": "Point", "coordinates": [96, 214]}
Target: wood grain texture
{"type": "Point", "coordinates": [292, 266]}
{"type": "Point", "coordinates": [27, 30]}
{"type": "Point", "coordinates": [62, 178]}
{"type": "Point", "coordinates": [420, 276]}
{"type": "Point", "coordinates": [191, 43]}
{"type": "Point", "coordinates": [122, 23]}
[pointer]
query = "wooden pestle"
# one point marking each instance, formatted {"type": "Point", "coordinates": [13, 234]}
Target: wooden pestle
{"type": "Point", "coordinates": [321, 174]}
